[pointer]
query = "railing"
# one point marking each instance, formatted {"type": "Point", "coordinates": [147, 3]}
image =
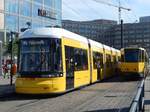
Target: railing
{"type": "Point", "coordinates": [138, 102]}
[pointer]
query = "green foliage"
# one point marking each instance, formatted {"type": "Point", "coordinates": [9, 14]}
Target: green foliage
{"type": "Point", "coordinates": [7, 47]}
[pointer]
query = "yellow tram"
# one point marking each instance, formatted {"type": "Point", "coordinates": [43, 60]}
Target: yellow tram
{"type": "Point", "coordinates": [134, 60]}
{"type": "Point", "coordinates": [54, 60]}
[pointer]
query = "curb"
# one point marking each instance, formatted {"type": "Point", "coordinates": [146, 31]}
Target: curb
{"type": "Point", "coordinates": [6, 91]}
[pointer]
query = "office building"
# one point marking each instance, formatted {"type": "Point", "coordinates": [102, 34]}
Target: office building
{"type": "Point", "coordinates": [134, 34]}
{"type": "Point", "coordinates": [94, 29]}
{"type": "Point", "coordinates": [15, 14]}
{"type": "Point", "coordinates": [145, 19]}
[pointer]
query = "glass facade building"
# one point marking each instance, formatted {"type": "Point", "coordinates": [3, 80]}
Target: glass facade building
{"type": "Point", "coordinates": [94, 29]}
{"type": "Point", "coordinates": [15, 14]}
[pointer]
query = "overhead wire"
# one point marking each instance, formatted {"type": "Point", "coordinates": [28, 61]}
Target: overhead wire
{"type": "Point", "coordinates": [132, 11]}
{"type": "Point", "coordinates": [75, 11]}
{"type": "Point", "coordinates": [86, 4]}
{"type": "Point", "coordinates": [93, 10]}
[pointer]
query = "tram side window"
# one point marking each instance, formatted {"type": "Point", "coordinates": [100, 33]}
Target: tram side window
{"type": "Point", "coordinates": [146, 58]}
{"type": "Point", "coordinates": [143, 57]}
{"type": "Point", "coordinates": [76, 58]}
{"type": "Point", "coordinates": [108, 60]}
{"type": "Point", "coordinates": [122, 58]}
{"type": "Point", "coordinates": [97, 60]}
{"type": "Point", "coordinates": [101, 60]}
{"type": "Point", "coordinates": [119, 58]}
{"type": "Point", "coordinates": [81, 60]}
{"type": "Point", "coordinates": [69, 58]}
{"type": "Point", "coordinates": [140, 56]}
{"type": "Point", "coordinates": [114, 60]}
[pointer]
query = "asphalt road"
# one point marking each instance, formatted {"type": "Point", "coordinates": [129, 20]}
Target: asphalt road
{"type": "Point", "coordinates": [113, 95]}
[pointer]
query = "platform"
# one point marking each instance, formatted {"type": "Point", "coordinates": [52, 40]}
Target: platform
{"type": "Point", "coordinates": [113, 95]}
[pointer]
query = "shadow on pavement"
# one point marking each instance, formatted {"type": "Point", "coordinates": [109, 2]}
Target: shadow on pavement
{"type": "Point", "coordinates": [111, 110]}
{"type": "Point", "coordinates": [14, 96]}
{"type": "Point", "coordinates": [122, 79]}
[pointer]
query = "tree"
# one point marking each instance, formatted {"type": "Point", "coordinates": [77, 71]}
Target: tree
{"type": "Point", "coordinates": [7, 47]}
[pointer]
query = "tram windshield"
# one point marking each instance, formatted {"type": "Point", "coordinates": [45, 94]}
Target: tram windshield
{"type": "Point", "coordinates": [40, 56]}
{"type": "Point", "coordinates": [132, 55]}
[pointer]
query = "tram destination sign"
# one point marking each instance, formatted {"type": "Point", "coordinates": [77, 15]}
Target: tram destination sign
{"type": "Point", "coordinates": [47, 13]}
{"type": "Point", "coordinates": [32, 42]}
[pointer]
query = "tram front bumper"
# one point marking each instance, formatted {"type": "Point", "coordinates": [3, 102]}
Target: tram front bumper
{"type": "Point", "coordinates": [37, 86]}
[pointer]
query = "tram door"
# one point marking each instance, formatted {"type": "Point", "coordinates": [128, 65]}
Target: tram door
{"type": "Point", "coordinates": [69, 57]}
{"type": "Point", "coordinates": [97, 59]}
{"type": "Point", "coordinates": [98, 70]}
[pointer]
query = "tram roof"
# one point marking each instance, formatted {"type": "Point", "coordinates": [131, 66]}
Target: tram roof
{"type": "Point", "coordinates": [52, 33]}
{"type": "Point", "coordinates": [118, 50]}
{"type": "Point", "coordinates": [140, 48]}
{"type": "Point", "coordinates": [97, 44]}
{"type": "Point", "coordinates": [113, 49]}
{"type": "Point", "coordinates": [107, 47]}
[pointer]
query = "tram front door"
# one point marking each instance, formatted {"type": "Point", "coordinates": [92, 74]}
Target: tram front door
{"type": "Point", "coordinates": [69, 67]}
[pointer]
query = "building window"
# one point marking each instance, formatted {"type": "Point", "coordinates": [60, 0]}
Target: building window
{"type": "Point", "coordinates": [11, 22]}
{"type": "Point", "coordinates": [36, 24]}
{"type": "Point", "coordinates": [48, 2]}
{"type": "Point", "coordinates": [39, 1]}
{"type": "Point", "coordinates": [23, 22]}
{"type": "Point", "coordinates": [11, 6]}
{"type": "Point", "coordinates": [25, 7]}
{"type": "Point", "coordinates": [35, 10]}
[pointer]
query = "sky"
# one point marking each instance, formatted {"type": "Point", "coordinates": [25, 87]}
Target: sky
{"type": "Point", "coordinates": [83, 10]}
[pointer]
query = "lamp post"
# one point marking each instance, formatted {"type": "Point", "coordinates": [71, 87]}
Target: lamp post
{"type": "Point", "coordinates": [11, 58]}
{"type": "Point", "coordinates": [122, 40]}
{"type": "Point", "coordinates": [12, 35]}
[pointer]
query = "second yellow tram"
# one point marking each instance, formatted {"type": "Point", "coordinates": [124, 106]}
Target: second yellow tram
{"type": "Point", "coordinates": [134, 60]}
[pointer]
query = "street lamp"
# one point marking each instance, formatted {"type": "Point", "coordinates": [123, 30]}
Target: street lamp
{"type": "Point", "coordinates": [12, 36]}
{"type": "Point", "coordinates": [122, 39]}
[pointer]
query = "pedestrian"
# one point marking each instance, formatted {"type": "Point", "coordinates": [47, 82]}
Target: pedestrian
{"type": "Point", "coordinates": [5, 70]}
{"type": "Point", "coordinates": [14, 69]}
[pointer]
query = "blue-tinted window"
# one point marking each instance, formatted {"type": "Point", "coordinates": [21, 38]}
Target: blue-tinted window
{"type": "Point", "coordinates": [25, 8]}
{"type": "Point", "coordinates": [51, 13]}
{"type": "Point", "coordinates": [48, 24]}
{"type": "Point", "coordinates": [53, 8]}
{"type": "Point", "coordinates": [35, 10]}
{"type": "Point", "coordinates": [47, 2]}
{"type": "Point", "coordinates": [58, 4]}
{"type": "Point", "coordinates": [11, 23]}
{"type": "Point", "coordinates": [39, 1]}
{"type": "Point", "coordinates": [11, 6]}
{"type": "Point", "coordinates": [36, 24]}
{"type": "Point", "coordinates": [132, 55]}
